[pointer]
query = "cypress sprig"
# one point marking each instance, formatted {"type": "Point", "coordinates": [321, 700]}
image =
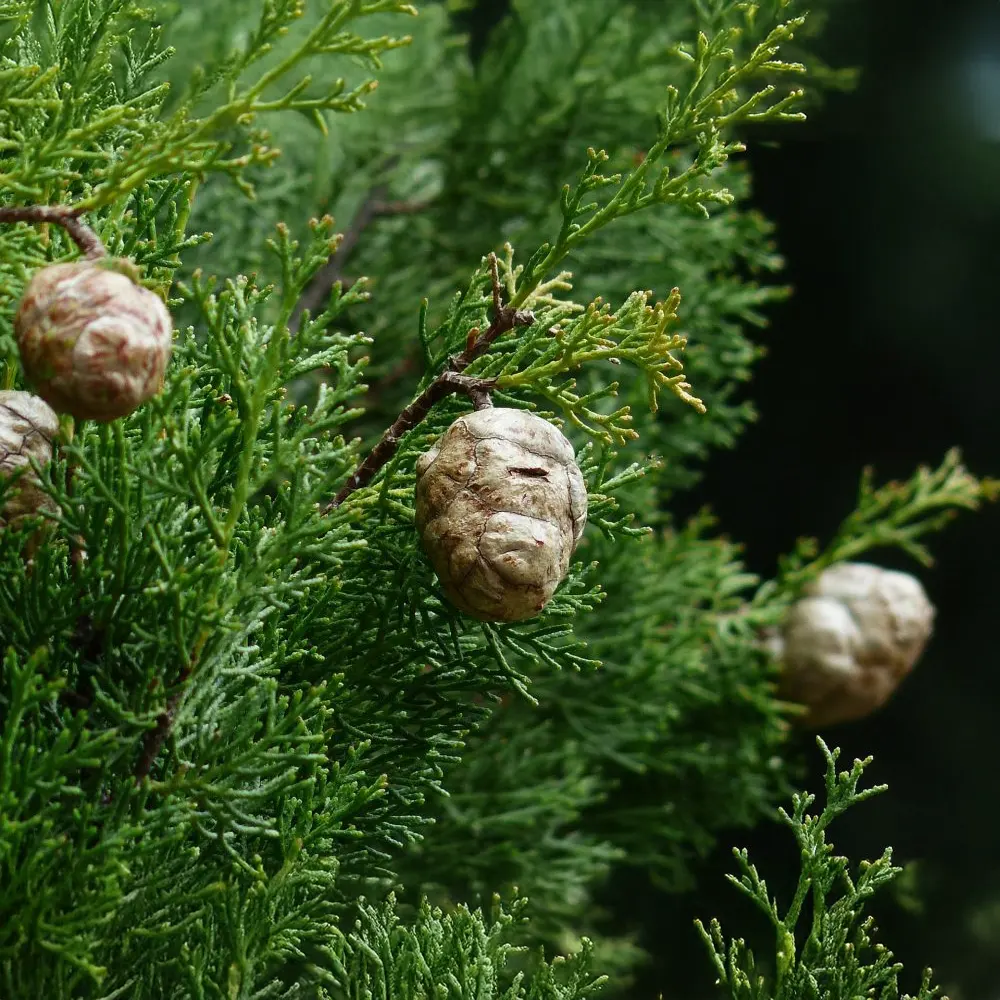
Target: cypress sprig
{"type": "Point", "coordinates": [233, 719]}
{"type": "Point", "coordinates": [832, 953]}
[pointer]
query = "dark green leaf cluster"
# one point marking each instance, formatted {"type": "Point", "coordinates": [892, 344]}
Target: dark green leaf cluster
{"type": "Point", "coordinates": [450, 955]}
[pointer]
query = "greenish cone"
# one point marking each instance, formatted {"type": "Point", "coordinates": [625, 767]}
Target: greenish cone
{"type": "Point", "coordinates": [249, 745]}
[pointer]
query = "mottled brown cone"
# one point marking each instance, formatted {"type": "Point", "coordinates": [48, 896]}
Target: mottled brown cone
{"type": "Point", "coordinates": [847, 644]}
{"type": "Point", "coordinates": [500, 508]}
{"type": "Point", "coordinates": [28, 426]}
{"type": "Point", "coordinates": [93, 342]}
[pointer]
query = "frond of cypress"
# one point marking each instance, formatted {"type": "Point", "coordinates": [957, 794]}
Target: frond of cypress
{"type": "Point", "coordinates": [246, 739]}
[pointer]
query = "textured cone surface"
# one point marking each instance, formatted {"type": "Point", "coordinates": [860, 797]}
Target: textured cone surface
{"type": "Point", "coordinates": [27, 427]}
{"type": "Point", "coordinates": [93, 342]}
{"type": "Point", "coordinates": [854, 635]}
{"type": "Point", "coordinates": [501, 506]}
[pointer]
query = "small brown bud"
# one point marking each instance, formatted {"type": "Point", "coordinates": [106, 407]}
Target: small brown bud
{"type": "Point", "coordinates": [27, 428]}
{"type": "Point", "coordinates": [847, 644]}
{"type": "Point", "coordinates": [93, 342]}
{"type": "Point", "coordinates": [500, 508]}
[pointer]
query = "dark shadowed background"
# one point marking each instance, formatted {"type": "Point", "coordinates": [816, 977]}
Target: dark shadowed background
{"type": "Point", "coordinates": [888, 210]}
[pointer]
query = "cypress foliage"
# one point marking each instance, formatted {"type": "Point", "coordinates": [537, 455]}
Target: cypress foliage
{"type": "Point", "coordinates": [247, 748]}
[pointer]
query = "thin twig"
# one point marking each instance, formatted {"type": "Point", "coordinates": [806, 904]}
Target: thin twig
{"type": "Point", "coordinates": [155, 737]}
{"type": "Point", "coordinates": [318, 290]}
{"type": "Point", "coordinates": [449, 381]}
{"type": "Point", "coordinates": [77, 546]}
{"type": "Point", "coordinates": [402, 207]}
{"type": "Point", "coordinates": [443, 386]}
{"type": "Point", "coordinates": [62, 215]}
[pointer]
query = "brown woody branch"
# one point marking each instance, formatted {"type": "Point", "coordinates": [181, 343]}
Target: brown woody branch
{"type": "Point", "coordinates": [61, 215]}
{"type": "Point", "coordinates": [318, 290]}
{"type": "Point", "coordinates": [449, 381]}
{"type": "Point", "coordinates": [155, 737]}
